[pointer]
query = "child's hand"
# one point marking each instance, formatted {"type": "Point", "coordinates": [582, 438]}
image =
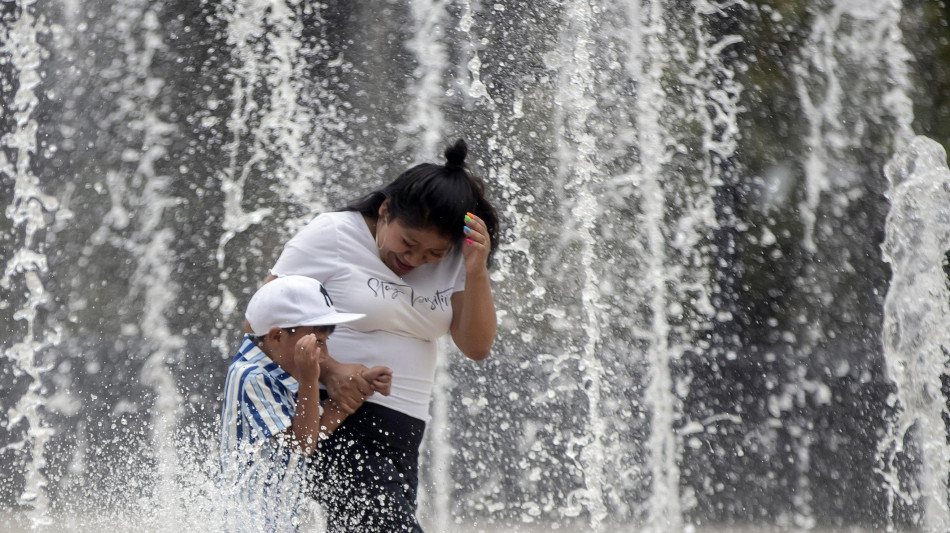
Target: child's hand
{"type": "Point", "coordinates": [307, 354]}
{"type": "Point", "coordinates": [380, 378]}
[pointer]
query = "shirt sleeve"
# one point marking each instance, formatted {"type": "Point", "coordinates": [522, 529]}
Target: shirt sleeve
{"type": "Point", "coordinates": [266, 407]}
{"type": "Point", "coordinates": [460, 274]}
{"type": "Point", "coordinates": [312, 251]}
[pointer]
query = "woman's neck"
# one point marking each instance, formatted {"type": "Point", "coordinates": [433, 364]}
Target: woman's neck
{"type": "Point", "coordinates": [371, 224]}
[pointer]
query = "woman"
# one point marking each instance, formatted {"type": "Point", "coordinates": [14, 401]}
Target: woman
{"type": "Point", "coordinates": [413, 257]}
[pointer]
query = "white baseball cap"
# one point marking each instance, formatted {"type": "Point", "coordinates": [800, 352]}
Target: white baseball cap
{"type": "Point", "coordinates": [292, 301]}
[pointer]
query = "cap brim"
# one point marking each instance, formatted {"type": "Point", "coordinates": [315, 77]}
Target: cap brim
{"type": "Point", "coordinates": [333, 319]}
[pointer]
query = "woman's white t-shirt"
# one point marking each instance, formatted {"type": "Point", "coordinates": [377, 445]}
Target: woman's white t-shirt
{"type": "Point", "coordinates": [405, 316]}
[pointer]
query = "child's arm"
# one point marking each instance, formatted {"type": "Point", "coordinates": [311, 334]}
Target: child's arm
{"type": "Point", "coordinates": [305, 428]}
{"type": "Point", "coordinates": [332, 417]}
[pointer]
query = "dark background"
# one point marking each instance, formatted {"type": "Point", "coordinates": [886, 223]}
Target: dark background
{"type": "Point", "coordinates": [150, 114]}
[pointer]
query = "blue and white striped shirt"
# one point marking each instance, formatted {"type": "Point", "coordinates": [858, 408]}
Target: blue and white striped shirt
{"type": "Point", "coordinates": [259, 398]}
{"type": "Point", "coordinates": [263, 479]}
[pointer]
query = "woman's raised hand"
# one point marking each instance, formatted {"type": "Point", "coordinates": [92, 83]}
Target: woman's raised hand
{"type": "Point", "coordinates": [477, 245]}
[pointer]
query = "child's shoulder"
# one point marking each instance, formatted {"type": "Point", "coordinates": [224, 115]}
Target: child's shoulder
{"type": "Point", "coordinates": [248, 360]}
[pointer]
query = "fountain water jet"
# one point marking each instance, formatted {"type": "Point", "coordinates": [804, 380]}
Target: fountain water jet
{"type": "Point", "coordinates": [917, 323]}
{"type": "Point", "coordinates": [30, 212]}
{"type": "Point", "coordinates": [638, 379]}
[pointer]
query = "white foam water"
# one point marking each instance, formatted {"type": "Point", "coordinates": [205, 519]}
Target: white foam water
{"type": "Point", "coordinates": [917, 325]}
{"type": "Point", "coordinates": [31, 212]}
{"type": "Point", "coordinates": [154, 162]}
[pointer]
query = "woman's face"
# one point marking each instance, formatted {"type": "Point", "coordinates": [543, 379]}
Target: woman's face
{"type": "Point", "coordinates": [403, 249]}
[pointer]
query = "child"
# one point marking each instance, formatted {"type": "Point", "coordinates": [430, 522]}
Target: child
{"type": "Point", "coordinates": [272, 417]}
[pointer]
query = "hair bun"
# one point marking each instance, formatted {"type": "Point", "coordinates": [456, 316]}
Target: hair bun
{"type": "Point", "coordinates": [455, 155]}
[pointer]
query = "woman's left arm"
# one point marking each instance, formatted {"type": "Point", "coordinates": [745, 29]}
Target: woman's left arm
{"type": "Point", "coordinates": [474, 322]}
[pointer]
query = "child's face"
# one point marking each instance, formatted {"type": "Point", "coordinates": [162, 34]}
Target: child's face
{"type": "Point", "coordinates": [287, 343]}
{"type": "Point", "coordinates": [402, 249]}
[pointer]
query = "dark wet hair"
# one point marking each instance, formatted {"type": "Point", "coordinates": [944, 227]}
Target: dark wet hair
{"type": "Point", "coordinates": [435, 197]}
{"type": "Point", "coordinates": [319, 329]}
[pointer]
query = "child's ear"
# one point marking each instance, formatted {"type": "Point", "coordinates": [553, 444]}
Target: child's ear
{"type": "Point", "coordinates": [384, 210]}
{"type": "Point", "coordinates": [274, 334]}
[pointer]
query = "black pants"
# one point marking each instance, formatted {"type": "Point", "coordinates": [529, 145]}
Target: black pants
{"type": "Point", "coordinates": [366, 474]}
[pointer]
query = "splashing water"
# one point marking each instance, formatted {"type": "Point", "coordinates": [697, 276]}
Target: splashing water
{"type": "Point", "coordinates": [917, 322]}
{"type": "Point", "coordinates": [30, 212]}
{"type": "Point", "coordinates": [834, 133]}
{"type": "Point", "coordinates": [675, 341]}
